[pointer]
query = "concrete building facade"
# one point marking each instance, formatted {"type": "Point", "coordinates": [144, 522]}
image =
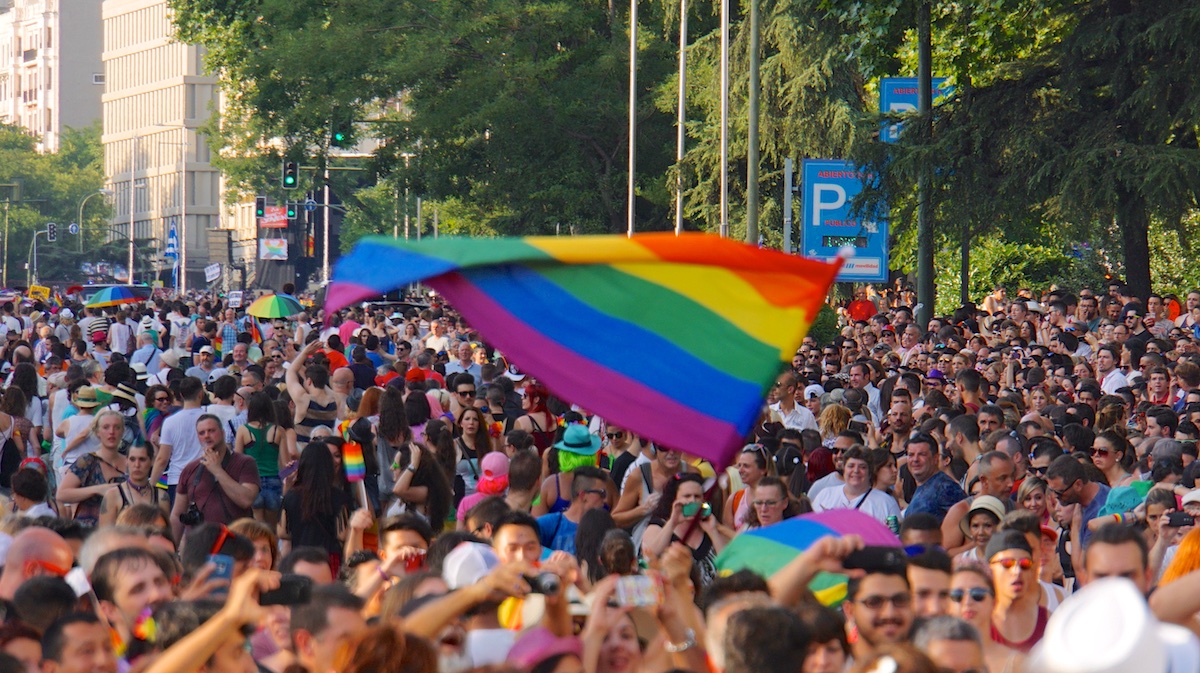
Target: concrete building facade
{"type": "Point", "coordinates": [51, 75]}
{"type": "Point", "coordinates": [156, 100]}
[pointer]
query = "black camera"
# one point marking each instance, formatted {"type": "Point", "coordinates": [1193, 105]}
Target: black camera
{"type": "Point", "coordinates": [544, 583]}
{"type": "Point", "coordinates": [192, 517]}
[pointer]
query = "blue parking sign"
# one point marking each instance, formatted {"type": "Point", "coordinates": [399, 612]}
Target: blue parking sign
{"type": "Point", "coordinates": [899, 94]}
{"type": "Point", "coordinates": [828, 224]}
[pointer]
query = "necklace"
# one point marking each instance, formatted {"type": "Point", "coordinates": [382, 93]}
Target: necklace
{"type": "Point", "coordinates": [140, 490]}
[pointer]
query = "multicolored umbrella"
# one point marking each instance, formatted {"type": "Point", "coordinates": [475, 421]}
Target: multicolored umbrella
{"type": "Point", "coordinates": [275, 306]}
{"type": "Point", "coordinates": [114, 296]}
{"type": "Point", "coordinates": [766, 550]}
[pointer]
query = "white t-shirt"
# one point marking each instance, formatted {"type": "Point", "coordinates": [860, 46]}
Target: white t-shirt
{"type": "Point", "coordinates": [798, 418]}
{"type": "Point", "coordinates": [878, 505]}
{"type": "Point", "coordinates": [179, 432]}
{"type": "Point", "coordinates": [228, 415]}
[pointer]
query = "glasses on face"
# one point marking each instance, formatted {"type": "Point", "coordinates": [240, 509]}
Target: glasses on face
{"type": "Point", "coordinates": [766, 503]}
{"type": "Point", "coordinates": [1059, 492]}
{"type": "Point", "coordinates": [597, 491]}
{"type": "Point", "coordinates": [1097, 451]}
{"type": "Point", "coordinates": [1009, 563]}
{"type": "Point", "coordinates": [161, 398]}
{"type": "Point", "coordinates": [977, 594]}
{"type": "Point", "coordinates": [467, 392]}
{"type": "Point", "coordinates": [614, 435]}
{"type": "Point", "coordinates": [877, 602]}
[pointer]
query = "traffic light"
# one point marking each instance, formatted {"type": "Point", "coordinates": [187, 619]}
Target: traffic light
{"type": "Point", "coordinates": [291, 175]}
{"type": "Point", "coordinates": [342, 134]}
{"type": "Point", "coordinates": [293, 210]}
{"type": "Point", "coordinates": [260, 206]}
{"type": "Point", "coordinates": [52, 232]}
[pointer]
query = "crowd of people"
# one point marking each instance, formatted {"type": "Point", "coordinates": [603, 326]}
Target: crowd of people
{"type": "Point", "coordinates": [189, 488]}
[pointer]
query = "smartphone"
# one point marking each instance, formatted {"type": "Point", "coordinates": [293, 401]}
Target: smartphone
{"type": "Point", "coordinates": [293, 590]}
{"type": "Point", "coordinates": [690, 509]}
{"type": "Point", "coordinates": [858, 426]}
{"type": "Point", "coordinates": [289, 469]}
{"type": "Point", "coordinates": [876, 559]}
{"type": "Point", "coordinates": [637, 591]}
{"type": "Point", "coordinates": [1180, 519]}
{"type": "Point", "coordinates": [224, 571]}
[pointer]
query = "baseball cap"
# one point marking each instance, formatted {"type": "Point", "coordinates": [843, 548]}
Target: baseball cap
{"type": "Point", "coordinates": [813, 390]}
{"type": "Point", "coordinates": [208, 349]}
{"type": "Point", "coordinates": [936, 374]}
{"type": "Point", "coordinates": [468, 563]}
{"type": "Point", "coordinates": [1191, 497]}
{"type": "Point", "coordinates": [494, 464]}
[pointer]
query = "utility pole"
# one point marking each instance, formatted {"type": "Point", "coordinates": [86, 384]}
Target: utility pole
{"type": "Point", "coordinates": [925, 271]}
{"type": "Point", "coordinates": [629, 188]}
{"type": "Point", "coordinates": [680, 131]}
{"type": "Point", "coordinates": [752, 132]}
{"type": "Point", "coordinates": [724, 118]}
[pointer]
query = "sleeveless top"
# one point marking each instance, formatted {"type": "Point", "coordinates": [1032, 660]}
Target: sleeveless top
{"type": "Point", "coordinates": [542, 439]}
{"type": "Point", "coordinates": [467, 467]}
{"type": "Point", "coordinates": [1024, 646]}
{"type": "Point", "coordinates": [123, 490]}
{"type": "Point", "coordinates": [315, 416]}
{"type": "Point", "coordinates": [560, 503]}
{"type": "Point", "coordinates": [264, 453]}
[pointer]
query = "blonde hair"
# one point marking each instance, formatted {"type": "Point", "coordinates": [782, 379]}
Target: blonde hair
{"type": "Point", "coordinates": [834, 420]}
{"type": "Point", "coordinates": [99, 418]}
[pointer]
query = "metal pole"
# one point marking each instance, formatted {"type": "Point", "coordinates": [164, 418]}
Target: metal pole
{"type": "Point", "coordinates": [325, 236]}
{"type": "Point", "coordinates": [752, 133]}
{"type": "Point", "coordinates": [406, 224]}
{"type": "Point", "coordinates": [436, 212]}
{"type": "Point", "coordinates": [183, 223]}
{"type": "Point", "coordinates": [724, 117]}
{"type": "Point", "coordinates": [788, 176]}
{"type": "Point", "coordinates": [418, 218]}
{"type": "Point", "coordinates": [925, 285]}
{"type": "Point", "coordinates": [396, 211]}
{"type": "Point", "coordinates": [629, 189]}
{"type": "Point", "coordinates": [31, 274]}
{"type": "Point", "coordinates": [680, 132]}
{"type": "Point", "coordinates": [4, 280]}
{"type": "Point", "coordinates": [132, 197]}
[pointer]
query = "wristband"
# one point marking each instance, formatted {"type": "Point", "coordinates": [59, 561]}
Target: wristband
{"type": "Point", "coordinates": [688, 643]}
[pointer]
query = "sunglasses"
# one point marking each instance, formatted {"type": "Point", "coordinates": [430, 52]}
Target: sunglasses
{"type": "Point", "coordinates": [1100, 452]}
{"type": "Point", "coordinates": [466, 392]}
{"type": "Point", "coordinates": [978, 594]}
{"type": "Point", "coordinates": [876, 602]}
{"type": "Point", "coordinates": [597, 491]}
{"type": "Point", "coordinates": [614, 435]}
{"type": "Point", "coordinates": [1064, 489]}
{"type": "Point", "coordinates": [1008, 563]}
{"type": "Point", "coordinates": [162, 399]}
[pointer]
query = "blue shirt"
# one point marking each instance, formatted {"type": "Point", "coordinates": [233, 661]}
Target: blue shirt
{"type": "Point", "coordinates": [936, 496]}
{"type": "Point", "coordinates": [557, 532]}
{"type": "Point", "coordinates": [1092, 511]}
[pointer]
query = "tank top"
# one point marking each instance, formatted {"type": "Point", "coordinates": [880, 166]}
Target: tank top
{"type": "Point", "coordinates": [264, 453]}
{"type": "Point", "coordinates": [467, 468]}
{"type": "Point", "coordinates": [542, 439]}
{"type": "Point", "coordinates": [1039, 629]}
{"type": "Point", "coordinates": [316, 416]}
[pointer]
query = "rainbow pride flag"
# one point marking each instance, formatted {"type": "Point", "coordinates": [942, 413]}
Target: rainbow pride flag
{"type": "Point", "coordinates": [353, 461]}
{"type": "Point", "coordinates": [675, 337]}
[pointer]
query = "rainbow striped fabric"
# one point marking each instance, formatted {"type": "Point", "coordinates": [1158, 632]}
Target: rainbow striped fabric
{"type": "Point", "coordinates": [675, 337]}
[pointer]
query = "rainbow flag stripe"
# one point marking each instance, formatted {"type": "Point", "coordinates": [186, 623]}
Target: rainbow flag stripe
{"type": "Point", "coordinates": [674, 337]}
{"type": "Point", "coordinates": [352, 460]}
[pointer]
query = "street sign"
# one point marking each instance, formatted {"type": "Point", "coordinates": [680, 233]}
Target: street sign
{"type": "Point", "coordinates": [828, 225]}
{"type": "Point", "coordinates": [212, 272]}
{"type": "Point", "coordinates": [310, 204]}
{"type": "Point", "coordinates": [899, 94]}
{"type": "Point", "coordinates": [73, 228]}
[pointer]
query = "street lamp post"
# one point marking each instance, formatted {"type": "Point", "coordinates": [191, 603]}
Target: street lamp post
{"type": "Point", "coordinates": [105, 192]}
{"type": "Point", "coordinates": [132, 197]}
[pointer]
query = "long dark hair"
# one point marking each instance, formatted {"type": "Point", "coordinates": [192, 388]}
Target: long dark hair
{"type": "Point", "coordinates": [393, 421]}
{"type": "Point", "coordinates": [481, 440]}
{"type": "Point", "coordinates": [440, 439]}
{"type": "Point", "coordinates": [25, 377]}
{"type": "Point", "coordinates": [416, 406]}
{"type": "Point", "coordinates": [671, 490]}
{"type": "Point", "coordinates": [439, 499]}
{"type": "Point", "coordinates": [260, 408]}
{"type": "Point", "coordinates": [313, 481]}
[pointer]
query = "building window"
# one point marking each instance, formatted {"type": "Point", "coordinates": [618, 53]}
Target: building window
{"type": "Point", "coordinates": [97, 78]}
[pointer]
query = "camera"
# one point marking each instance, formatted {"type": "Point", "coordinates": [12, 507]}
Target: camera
{"type": "Point", "coordinates": [192, 517]}
{"type": "Point", "coordinates": [544, 583]}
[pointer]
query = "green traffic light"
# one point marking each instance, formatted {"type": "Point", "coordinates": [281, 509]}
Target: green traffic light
{"type": "Point", "coordinates": [290, 180]}
{"type": "Point", "coordinates": [339, 137]}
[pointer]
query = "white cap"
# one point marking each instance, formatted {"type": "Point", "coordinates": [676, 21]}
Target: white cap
{"type": "Point", "coordinates": [468, 563]}
{"type": "Point", "coordinates": [1192, 496]}
{"type": "Point", "coordinates": [813, 390]}
{"type": "Point", "coordinates": [1107, 627]}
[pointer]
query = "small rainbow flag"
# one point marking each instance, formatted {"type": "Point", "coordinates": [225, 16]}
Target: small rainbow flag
{"type": "Point", "coordinates": [677, 338]}
{"type": "Point", "coordinates": [352, 460]}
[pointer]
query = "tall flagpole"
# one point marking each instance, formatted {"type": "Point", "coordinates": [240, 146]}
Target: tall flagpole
{"type": "Point", "coordinates": [633, 17]}
{"type": "Point", "coordinates": [724, 117]}
{"type": "Point", "coordinates": [680, 133]}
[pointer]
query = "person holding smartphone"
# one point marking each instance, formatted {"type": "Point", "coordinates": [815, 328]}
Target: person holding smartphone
{"type": "Point", "coordinates": [671, 521]}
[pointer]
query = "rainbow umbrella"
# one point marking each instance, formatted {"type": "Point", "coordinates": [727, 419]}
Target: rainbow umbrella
{"type": "Point", "coordinates": [114, 296]}
{"type": "Point", "coordinates": [275, 306]}
{"type": "Point", "coordinates": [766, 550]}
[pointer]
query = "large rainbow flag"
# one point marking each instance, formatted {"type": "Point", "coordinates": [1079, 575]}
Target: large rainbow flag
{"type": "Point", "coordinates": [677, 338]}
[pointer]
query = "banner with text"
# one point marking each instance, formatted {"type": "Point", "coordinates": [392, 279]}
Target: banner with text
{"type": "Point", "coordinates": [274, 217]}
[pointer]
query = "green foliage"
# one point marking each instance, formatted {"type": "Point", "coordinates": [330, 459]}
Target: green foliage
{"type": "Point", "coordinates": [824, 328]}
{"type": "Point", "coordinates": [51, 189]}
